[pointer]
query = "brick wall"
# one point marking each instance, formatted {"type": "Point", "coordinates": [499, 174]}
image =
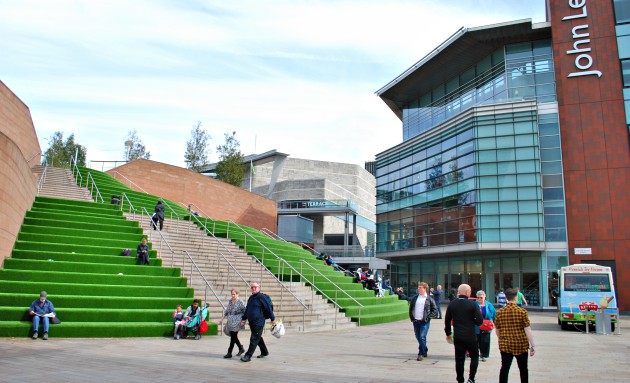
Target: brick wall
{"type": "Point", "coordinates": [18, 185]}
{"type": "Point", "coordinates": [217, 199]}
{"type": "Point", "coordinates": [595, 140]}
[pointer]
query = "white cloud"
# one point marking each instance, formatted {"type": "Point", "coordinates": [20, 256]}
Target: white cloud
{"type": "Point", "coordinates": [298, 77]}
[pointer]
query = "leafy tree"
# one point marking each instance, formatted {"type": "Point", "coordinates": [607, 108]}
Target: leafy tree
{"type": "Point", "coordinates": [136, 149]}
{"type": "Point", "coordinates": [230, 168]}
{"type": "Point", "coordinates": [196, 156]}
{"type": "Point", "coordinates": [60, 153]}
{"type": "Point", "coordinates": [435, 178]}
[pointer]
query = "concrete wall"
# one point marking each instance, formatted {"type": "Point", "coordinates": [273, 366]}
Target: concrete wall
{"type": "Point", "coordinates": [217, 199]}
{"type": "Point", "coordinates": [18, 184]}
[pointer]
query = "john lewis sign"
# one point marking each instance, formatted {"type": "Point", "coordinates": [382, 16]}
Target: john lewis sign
{"type": "Point", "coordinates": [581, 41]}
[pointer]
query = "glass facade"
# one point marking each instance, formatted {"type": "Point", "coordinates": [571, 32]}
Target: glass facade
{"type": "Point", "coordinates": [492, 179]}
{"type": "Point", "coordinates": [622, 19]}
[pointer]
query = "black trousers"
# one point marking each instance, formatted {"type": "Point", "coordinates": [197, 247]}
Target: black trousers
{"type": "Point", "coordinates": [484, 344]}
{"type": "Point", "coordinates": [461, 346]}
{"type": "Point", "coordinates": [506, 363]}
{"type": "Point", "coordinates": [234, 341]}
{"type": "Point", "coordinates": [256, 340]}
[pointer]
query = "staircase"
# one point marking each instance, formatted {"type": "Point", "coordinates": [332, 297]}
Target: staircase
{"type": "Point", "coordinates": [213, 257]}
{"type": "Point", "coordinates": [59, 183]}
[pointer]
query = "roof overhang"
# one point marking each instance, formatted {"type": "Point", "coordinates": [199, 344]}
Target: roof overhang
{"type": "Point", "coordinates": [257, 159]}
{"type": "Point", "coordinates": [459, 52]}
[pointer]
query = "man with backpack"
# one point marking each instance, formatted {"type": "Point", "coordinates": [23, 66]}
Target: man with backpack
{"type": "Point", "coordinates": [258, 309]}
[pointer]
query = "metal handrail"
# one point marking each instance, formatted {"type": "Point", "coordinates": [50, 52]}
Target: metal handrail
{"type": "Point", "coordinates": [285, 263]}
{"type": "Point", "coordinates": [272, 235]}
{"type": "Point", "coordinates": [122, 202]}
{"type": "Point", "coordinates": [208, 285]}
{"type": "Point", "coordinates": [33, 156]}
{"type": "Point", "coordinates": [130, 181]}
{"type": "Point", "coordinates": [98, 192]}
{"type": "Point", "coordinates": [42, 178]}
{"type": "Point", "coordinates": [256, 260]}
{"type": "Point", "coordinates": [303, 262]}
{"type": "Point", "coordinates": [78, 175]}
{"type": "Point", "coordinates": [198, 209]}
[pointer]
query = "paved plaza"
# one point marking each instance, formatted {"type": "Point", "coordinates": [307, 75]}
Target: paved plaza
{"type": "Point", "coordinates": [380, 353]}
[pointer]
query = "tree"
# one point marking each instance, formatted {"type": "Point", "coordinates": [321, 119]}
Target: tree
{"type": "Point", "coordinates": [60, 153]}
{"type": "Point", "coordinates": [136, 148]}
{"type": "Point", "coordinates": [196, 156]}
{"type": "Point", "coordinates": [230, 168]}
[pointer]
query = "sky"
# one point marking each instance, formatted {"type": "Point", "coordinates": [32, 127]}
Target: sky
{"type": "Point", "coordinates": [296, 76]}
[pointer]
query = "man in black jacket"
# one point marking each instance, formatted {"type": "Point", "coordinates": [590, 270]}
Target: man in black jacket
{"type": "Point", "coordinates": [422, 309]}
{"type": "Point", "coordinates": [465, 315]}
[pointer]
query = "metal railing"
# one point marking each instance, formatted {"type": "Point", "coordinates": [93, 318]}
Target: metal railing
{"type": "Point", "coordinates": [35, 155]}
{"type": "Point", "coordinates": [337, 288]}
{"type": "Point", "coordinates": [127, 179]}
{"type": "Point", "coordinates": [78, 177]}
{"type": "Point", "coordinates": [271, 234]}
{"type": "Point", "coordinates": [94, 186]}
{"type": "Point", "coordinates": [283, 264]}
{"type": "Point", "coordinates": [122, 203]}
{"type": "Point", "coordinates": [42, 178]}
{"type": "Point", "coordinates": [263, 268]}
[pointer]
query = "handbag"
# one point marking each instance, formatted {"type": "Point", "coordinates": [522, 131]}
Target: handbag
{"type": "Point", "coordinates": [487, 325]}
{"type": "Point", "coordinates": [225, 330]}
{"type": "Point", "coordinates": [203, 327]}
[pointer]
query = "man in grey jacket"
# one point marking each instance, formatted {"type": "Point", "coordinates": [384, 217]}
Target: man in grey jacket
{"type": "Point", "coordinates": [422, 309]}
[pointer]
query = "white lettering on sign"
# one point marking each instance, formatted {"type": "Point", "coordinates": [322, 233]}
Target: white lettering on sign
{"type": "Point", "coordinates": [583, 61]}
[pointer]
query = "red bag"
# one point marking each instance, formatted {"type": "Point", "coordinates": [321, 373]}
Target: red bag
{"type": "Point", "coordinates": [203, 327]}
{"type": "Point", "coordinates": [487, 325]}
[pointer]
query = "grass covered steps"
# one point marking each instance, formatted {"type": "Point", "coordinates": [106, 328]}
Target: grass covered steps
{"type": "Point", "coordinates": [72, 249]}
{"type": "Point", "coordinates": [357, 303]}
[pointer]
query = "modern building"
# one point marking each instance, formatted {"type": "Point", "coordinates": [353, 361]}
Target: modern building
{"type": "Point", "coordinates": [328, 206]}
{"type": "Point", "coordinates": [515, 157]}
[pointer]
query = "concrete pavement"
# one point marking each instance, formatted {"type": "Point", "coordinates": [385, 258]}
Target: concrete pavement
{"type": "Point", "coordinates": [380, 353]}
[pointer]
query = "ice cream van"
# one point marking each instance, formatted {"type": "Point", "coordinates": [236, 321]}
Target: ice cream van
{"type": "Point", "coordinates": [585, 290]}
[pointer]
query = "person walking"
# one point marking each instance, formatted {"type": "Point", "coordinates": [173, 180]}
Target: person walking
{"type": "Point", "coordinates": [422, 309]}
{"type": "Point", "coordinates": [465, 315]}
{"type": "Point", "coordinates": [234, 312]}
{"type": "Point", "coordinates": [159, 215]}
{"type": "Point", "coordinates": [257, 309]}
{"type": "Point", "coordinates": [501, 300]}
{"type": "Point", "coordinates": [483, 336]}
{"type": "Point", "coordinates": [520, 298]}
{"type": "Point", "coordinates": [43, 309]}
{"type": "Point", "coordinates": [438, 293]}
{"type": "Point", "coordinates": [515, 337]}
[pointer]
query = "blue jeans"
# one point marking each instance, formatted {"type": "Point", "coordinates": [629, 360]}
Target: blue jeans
{"type": "Point", "coordinates": [46, 323]}
{"type": "Point", "coordinates": [421, 329]}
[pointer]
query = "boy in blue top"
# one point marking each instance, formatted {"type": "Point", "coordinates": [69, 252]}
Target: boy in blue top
{"type": "Point", "coordinates": [501, 299]}
{"type": "Point", "coordinates": [41, 309]}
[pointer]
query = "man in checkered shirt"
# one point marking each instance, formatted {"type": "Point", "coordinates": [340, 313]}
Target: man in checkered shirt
{"type": "Point", "coordinates": [515, 337]}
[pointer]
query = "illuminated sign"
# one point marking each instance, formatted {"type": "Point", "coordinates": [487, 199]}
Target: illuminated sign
{"type": "Point", "coordinates": [581, 45]}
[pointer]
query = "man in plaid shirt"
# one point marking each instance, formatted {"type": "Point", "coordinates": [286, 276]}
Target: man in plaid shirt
{"type": "Point", "coordinates": [515, 337]}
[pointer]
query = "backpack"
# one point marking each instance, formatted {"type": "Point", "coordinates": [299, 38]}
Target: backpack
{"type": "Point", "coordinates": [269, 302]}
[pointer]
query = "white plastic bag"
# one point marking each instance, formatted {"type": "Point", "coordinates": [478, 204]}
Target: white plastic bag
{"type": "Point", "coordinates": [277, 329]}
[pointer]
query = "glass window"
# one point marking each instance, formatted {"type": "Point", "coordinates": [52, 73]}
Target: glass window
{"type": "Point", "coordinates": [552, 220]}
{"type": "Point", "coordinates": [505, 129]}
{"type": "Point", "coordinates": [553, 180]}
{"type": "Point", "coordinates": [506, 155]}
{"type": "Point", "coordinates": [525, 207]}
{"type": "Point", "coordinates": [488, 194]}
{"type": "Point", "coordinates": [488, 182]}
{"type": "Point", "coordinates": [506, 167]}
{"type": "Point", "coordinates": [521, 50]}
{"type": "Point", "coordinates": [550, 154]}
{"type": "Point", "coordinates": [623, 44]}
{"type": "Point", "coordinates": [489, 208]}
{"type": "Point", "coordinates": [552, 167]}
{"type": "Point", "coordinates": [525, 153]}
{"type": "Point", "coordinates": [509, 220]}
{"type": "Point", "coordinates": [507, 180]}
{"type": "Point", "coordinates": [529, 220]}
{"type": "Point", "coordinates": [489, 222]}
{"type": "Point", "coordinates": [487, 156]}
{"type": "Point", "coordinates": [509, 235]}
{"type": "Point", "coordinates": [523, 127]}
{"type": "Point", "coordinates": [529, 234]}
{"type": "Point", "coordinates": [486, 131]}
{"type": "Point", "coordinates": [508, 194]}
{"type": "Point", "coordinates": [552, 194]}
{"type": "Point", "coordinates": [505, 142]}
{"type": "Point", "coordinates": [550, 141]}
{"type": "Point", "coordinates": [526, 166]}
{"type": "Point", "coordinates": [625, 67]}
{"type": "Point", "coordinates": [549, 129]}
{"type": "Point", "coordinates": [528, 193]}
{"type": "Point", "coordinates": [508, 207]}
{"type": "Point", "coordinates": [488, 169]}
{"type": "Point", "coordinates": [526, 180]}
